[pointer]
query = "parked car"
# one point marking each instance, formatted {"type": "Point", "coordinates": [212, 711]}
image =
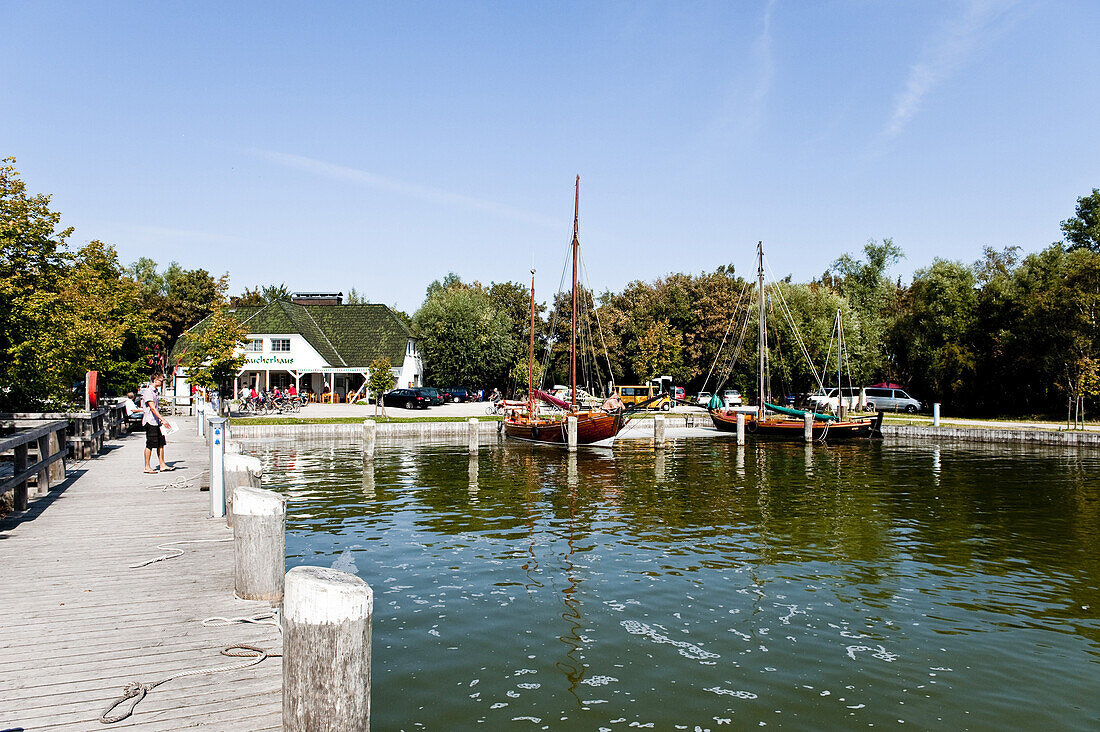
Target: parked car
{"type": "Point", "coordinates": [458, 394]}
{"type": "Point", "coordinates": [407, 398]}
{"type": "Point", "coordinates": [826, 400]}
{"type": "Point", "coordinates": [703, 399]}
{"type": "Point", "coordinates": [890, 400]}
{"type": "Point", "coordinates": [678, 393]}
{"type": "Point", "coordinates": [731, 398]}
{"type": "Point", "coordinates": [435, 396]}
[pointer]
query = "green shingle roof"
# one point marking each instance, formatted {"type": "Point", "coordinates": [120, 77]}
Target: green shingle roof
{"type": "Point", "coordinates": [344, 335]}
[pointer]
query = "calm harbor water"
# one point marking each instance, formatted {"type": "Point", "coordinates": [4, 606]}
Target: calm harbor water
{"type": "Point", "coordinates": [712, 586]}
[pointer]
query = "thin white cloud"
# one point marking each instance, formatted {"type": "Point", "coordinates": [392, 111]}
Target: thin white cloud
{"type": "Point", "coordinates": [944, 55]}
{"type": "Point", "coordinates": [355, 176]}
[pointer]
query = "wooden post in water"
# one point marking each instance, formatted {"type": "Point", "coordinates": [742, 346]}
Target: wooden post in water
{"type": "Point", "coordinates": [571, 432]}
{"type": "Point", "coordinates": [239, 470]}
{"type": "Point", "coordinates": [370, 427]}
{"type": "Point", "coordinates": [471, 429]}
{"type": "Point", "coordinates": [259, 544]}
{"type": "Point", "coordinates": [808, 426]}
{"type": "Point", "coordinates": [936, 414]}
{"type": "Point", "coordinates": [659, 431]}
{"type": "Point", "coordinates": [740, 428]}
{"type": "Point", "coordinates": [326, 651]}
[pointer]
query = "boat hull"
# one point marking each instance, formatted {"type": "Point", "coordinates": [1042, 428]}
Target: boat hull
{"type": "Point", "coordinates": [789, 429]}
{"type": "Point", "coordinates": [591, 427]}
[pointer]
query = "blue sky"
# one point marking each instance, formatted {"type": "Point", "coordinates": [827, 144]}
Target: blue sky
{"type": "Point", "coordinates": [381, 145]}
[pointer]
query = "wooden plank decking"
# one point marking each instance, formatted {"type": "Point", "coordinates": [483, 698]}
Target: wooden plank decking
{"type": "Point", "coordinates": [77, 624]}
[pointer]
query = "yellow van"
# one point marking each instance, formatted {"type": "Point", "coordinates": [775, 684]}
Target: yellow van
{"type": "Point", "coordinates": [631, 395]}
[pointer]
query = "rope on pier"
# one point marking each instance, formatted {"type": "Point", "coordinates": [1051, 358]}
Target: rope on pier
{"type": "Point", "coordinates": [137, 691]}
{"type": "Point", "coordinates": [268, 618]}
{"type": "Point", "coordinates": [169, 547]}
{"type": "Point", "coordinates": [180, 483]}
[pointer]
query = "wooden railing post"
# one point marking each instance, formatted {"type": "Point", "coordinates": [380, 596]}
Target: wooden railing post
{"type": "Point", "coordinates": [20, 490]}
{"type": "Point", "coordinates": [43, 485]}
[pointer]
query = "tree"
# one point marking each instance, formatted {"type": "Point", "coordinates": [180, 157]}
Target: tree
{"type": "Point", "coordinates": [212, 359]}
{"type": "Point", "coordinates": [520, 372]}
{"type": "Point", "coordinates": [356, 298]}
{"type": "Point", "coordinates": [1083, 230]}
{"type": "Point", "coordinates": [464, 338]}
{"type": "Point", "coordinates": [660, 351]}
{"type": "Point", "coordinates": [381, 380]}
{"type": "Point", "coordinates": [247, 298]}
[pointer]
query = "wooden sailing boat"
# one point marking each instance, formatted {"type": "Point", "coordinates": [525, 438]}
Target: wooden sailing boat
{"type": "Point", "coordinates": [778, 422]}
{"type": "Point", "coordinates": [593, 425]}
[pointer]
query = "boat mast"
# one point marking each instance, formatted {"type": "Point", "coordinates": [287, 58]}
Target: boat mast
{"type": "Point", "coordinates": [531, 357]}
{"type": "Point", "coordinates": [839, 378]}
{"type": "Point", "coordinates": [573, 341]}
{"type": "Point", "coordinates": [761, 344]}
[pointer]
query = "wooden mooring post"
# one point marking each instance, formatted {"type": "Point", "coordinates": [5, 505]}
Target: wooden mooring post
{"type": "Point", "coordinates": [259, 544]}
{"type": "Point", "coordinates": [370, 428]}
{"type": "Point", "coordinates": [326, 650]}
{"type": "Point", "coordinates": [808, 426]}
{"type": "Point", "coordinates": [472, 434]}
{"type": "Point", "coordinates": [571, 432]}
{"type": "Point", "coordinates": [239, 470]}
{"type": "Point", "coordinates": [659, 431]}
{"type": "Point", "coordinates": [740, 428]}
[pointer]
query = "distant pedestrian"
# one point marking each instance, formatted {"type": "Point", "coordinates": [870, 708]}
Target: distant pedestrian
{"type": "Point", "coordinates": [152, 421]}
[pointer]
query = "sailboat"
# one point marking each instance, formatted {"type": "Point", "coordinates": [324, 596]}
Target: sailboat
{"type": "Point", "coordinates": [774, 421]}
{"type": "Point", "coordinates": [593, 425]}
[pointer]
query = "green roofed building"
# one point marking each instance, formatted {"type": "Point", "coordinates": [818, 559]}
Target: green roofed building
{"type": "Point", "coordinates": [319, 345]}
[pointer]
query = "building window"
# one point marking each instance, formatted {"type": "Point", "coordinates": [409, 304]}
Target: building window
{"type": "Point", "coordinates": [254, 345]}
{"type": "Point", "coordinates": [280, 345]}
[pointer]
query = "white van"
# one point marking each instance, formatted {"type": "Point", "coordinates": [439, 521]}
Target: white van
{"type": "Point", "coordinates": [889, 400]}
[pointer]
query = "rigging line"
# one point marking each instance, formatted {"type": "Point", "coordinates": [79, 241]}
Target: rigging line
{"type": "Point", "coordinates": [599, 328]}
{"type": "Point", "coordinates": [790, 319]}
{"type": "Point", "coordinates": [735, 355]}
{"type": "Point", "coordinates": [736, 308]}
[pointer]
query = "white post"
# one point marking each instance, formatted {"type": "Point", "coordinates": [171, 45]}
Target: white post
{"type": "Point", "coordinates": [659, 431]}
{"type": "Point", "coordinates": [326, 650]}
{"type": "Point", "coordinates": [471, 429]}
{"type": "Point", "coordinates": [240, 470]}
{"type": "Point", "coordinates": [369, 430]}
{"type": "Point", "coordinates": [259, 544]}
{"type": "Point", "coordinates": [571, 432]}
{"type": "Point", "coordinates": [936, 414]}
{"type": "Point", "coordinates": [217, 466]}
{"type": "Point", "coordinates": [808, 426]}
{"type": "Point", "coordinates": [740, 428]}
{"type": "Point", "coordinates": [202, 420]}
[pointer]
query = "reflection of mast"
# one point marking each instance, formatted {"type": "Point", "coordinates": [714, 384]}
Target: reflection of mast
{"type": "Point", "coordinates": [573, 668]}
{"type": "Point", "coordinates": [531, 566]}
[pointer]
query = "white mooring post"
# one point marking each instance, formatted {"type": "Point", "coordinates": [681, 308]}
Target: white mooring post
{"type": "Point", "coordinates": [740, 428]}
{"type": "Point", "coordinates": [936, 414]}
{"type": "Point", "coordinates": [659, 431]}
{"type": "Point", "coordinates": [202, 421]}
{"type": "Point", "coordinates": [471, 430]}
{"type": "Point", "coordinates": [571, 432]}
{"type": "Point", "coordinates": [217, 466]}
{"type": "Point", "coordinates": [326, 651]}
{"type": "Point", "coordinates": [239, 470]}
{"type": "Point", "coordinates": [370, 429]}
{"type": "Point", "coordinates": [259, 544]}
{"type": "Point", "coordinates": [808, 426]}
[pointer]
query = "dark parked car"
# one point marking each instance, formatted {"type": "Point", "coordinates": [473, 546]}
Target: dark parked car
{"type": "Point", "coordinates": [435, 396]}
{"type": "Point", "coordinates": [407, 398]}
{"type": "Point", "coordinates": [459, 394]}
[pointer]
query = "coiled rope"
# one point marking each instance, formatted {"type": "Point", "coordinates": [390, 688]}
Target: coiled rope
{"type": "Point", "coordinates": [137, 691]}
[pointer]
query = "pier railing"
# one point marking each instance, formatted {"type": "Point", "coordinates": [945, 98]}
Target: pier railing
{"type": "Point", "coordinates": [87, 430]}
{"type": "Point", "coordinates": [46, 441]}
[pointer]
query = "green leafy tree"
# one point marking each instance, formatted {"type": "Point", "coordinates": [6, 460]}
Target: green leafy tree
{"type": "Point", "coordinates": [381, 380]}
{"type": "Point", "coordinates": [464, 338]}
{"type": "Point", "coordinates": [356, 298]}
{"type": "Point", "coordinates": [519, 374]}
{"type": "Point", "coordinates": [660, 352]}
{"type": "Point", "coordinates": [1083, 230]}
{"type": "Point", "coordinates": [213, 357]}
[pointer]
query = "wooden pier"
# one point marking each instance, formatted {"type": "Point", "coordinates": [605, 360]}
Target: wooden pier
{"type": "Point", "coordinates": [78, 623]}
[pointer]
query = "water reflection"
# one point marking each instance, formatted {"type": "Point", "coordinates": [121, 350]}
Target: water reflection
{"type": "Point", "coordinates": [525, 582]}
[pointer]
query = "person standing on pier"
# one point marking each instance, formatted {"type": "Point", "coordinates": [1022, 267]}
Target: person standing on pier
{"type": "Point", "coordinates": [152, 422]}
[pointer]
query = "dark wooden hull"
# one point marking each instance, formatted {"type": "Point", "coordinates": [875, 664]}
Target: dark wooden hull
{"type": "Point", "coordinates": [591, 427]}
{"type": "Point", "coordinates": [789, 429]}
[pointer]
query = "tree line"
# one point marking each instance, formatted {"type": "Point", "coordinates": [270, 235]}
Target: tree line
{"type": "Point", "coordinates": [1009, 333]}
